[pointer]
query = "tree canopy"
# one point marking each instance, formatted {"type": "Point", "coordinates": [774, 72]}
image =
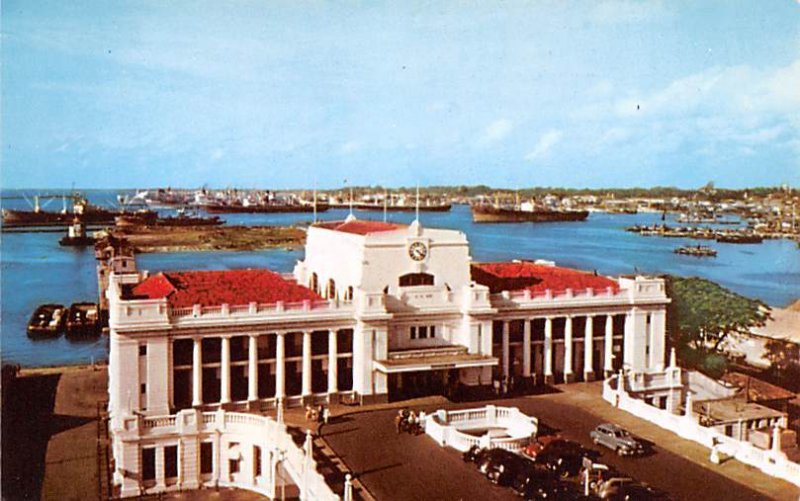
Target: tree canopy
{"type": "Point", "coordinates": [703, 313]}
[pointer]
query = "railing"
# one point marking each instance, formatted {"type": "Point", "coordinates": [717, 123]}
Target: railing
{"type": "Point", "coordinates": [247, 430]}
{"type": "Point", "coordinates": [446, 427]}
{"type": "Point", "coordinates": [198, 311]}
{"type": "Point", "coordinates": [552, 295]}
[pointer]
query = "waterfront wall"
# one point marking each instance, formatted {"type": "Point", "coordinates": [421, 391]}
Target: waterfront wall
{"type": "Point", "coordinates": [771, 461]}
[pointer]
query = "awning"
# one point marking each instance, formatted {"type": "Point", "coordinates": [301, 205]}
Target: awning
{"type": "Point", "coordinates": [435, 363]}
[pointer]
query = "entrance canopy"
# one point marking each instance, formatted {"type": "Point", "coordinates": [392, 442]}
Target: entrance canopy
{"type": "Point", "coordinates": [434, 363]}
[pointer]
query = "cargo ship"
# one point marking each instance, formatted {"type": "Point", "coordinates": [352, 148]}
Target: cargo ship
{"type": "Point", "coordinates": [149, 218]}
{"type": "Point", "coordinates": [89, 214]}
{"type": "Point", "coordinates": [428, 207]}
{"type": "Point", "coordinates": [696, 251]}
{"type": "Point", "coordinates": [524, 213]}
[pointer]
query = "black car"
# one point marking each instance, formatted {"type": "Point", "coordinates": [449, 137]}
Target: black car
{"type": "Point", "coordinates": [473, 454]}
{"type": "Point", "coordinates": [501, 466]}
{"type": "Point", "coordinates": [532, 479]}
{"type": "Point", "coordinates": [565, 463]}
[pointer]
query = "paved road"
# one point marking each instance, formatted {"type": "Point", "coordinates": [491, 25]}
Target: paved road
{"type": "Point", "coordinates": [412, 468]}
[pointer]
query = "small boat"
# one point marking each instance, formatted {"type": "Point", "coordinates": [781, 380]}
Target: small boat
{"type": "Point", "coordinates": [82, 319]}
{"type": "Point", "coordinates": [76, 236]}
{"type": "Point", "coordinates": [696, 251]}
{"type": "Point", "coordinates": [47, 321]}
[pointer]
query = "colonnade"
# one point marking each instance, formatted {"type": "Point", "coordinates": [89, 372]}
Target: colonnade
{"type": "Point", "coordinates": [253, 369]}
{"type": "Point", "coordinates": [569, 337]}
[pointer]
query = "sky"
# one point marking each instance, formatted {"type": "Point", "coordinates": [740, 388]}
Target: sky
{"type": "Point", "coordinates": [514, 94]}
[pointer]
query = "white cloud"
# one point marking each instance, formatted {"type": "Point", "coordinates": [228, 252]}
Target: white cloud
{"type": "Point", "coordinates": [496, 131]}
{"type": "Point", "coordinates": [545, 144]}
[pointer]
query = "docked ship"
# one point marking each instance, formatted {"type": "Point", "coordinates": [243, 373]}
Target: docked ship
{"type": "Point", "coordinates": [89, 214]}
{"type": "Point", "coordinates": [524, 213]}
{"type": "Point", "coordinates": [427, 207]}
{"type": "Point", "coordinates": [76, 236]}
{"type": "Point", "coordinates": [47, 321]}
{"type": "Point", "coordinates": [262, 208]}
{"type": "Point", "coordinates": [82, 320]}
{"type": "Point", "coordinates": [739, 238]}
{"type": "Point", "coordinates": [149, 218]}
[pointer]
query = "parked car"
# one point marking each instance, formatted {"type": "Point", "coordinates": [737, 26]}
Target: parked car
{"type": "Point", "coordinates": [613, 487]}
{"type": "Point", "coordinates": [565, 463]}
{"type": "Point", "coordinates": [501, 466]}
{"type": "Point", "coordinates": [473, 454]}
{"type": "Point", "coordinates": [536, 482]}
{"type": "Point", "coordinates": [617, 439]}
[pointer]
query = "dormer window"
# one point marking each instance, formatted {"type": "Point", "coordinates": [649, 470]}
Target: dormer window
{"type": "Point", "coordinates": [415, 279]}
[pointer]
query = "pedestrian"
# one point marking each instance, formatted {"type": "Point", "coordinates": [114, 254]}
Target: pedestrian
{"type": "Point", "coordinates": [496, 385]}
{"type": "Point", "coordinates": [398, 421]}
{"type": "Point", "coordinates": [326, 414]}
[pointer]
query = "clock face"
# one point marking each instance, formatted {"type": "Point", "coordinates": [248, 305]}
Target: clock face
{"type": "Point", "coordinates": [417, 251]}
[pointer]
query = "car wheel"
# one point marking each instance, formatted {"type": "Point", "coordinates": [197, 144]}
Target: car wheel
{"type": "Point", "coordinates": [620, 452]}
{"type": "Point", "coordinates": [595, 441]}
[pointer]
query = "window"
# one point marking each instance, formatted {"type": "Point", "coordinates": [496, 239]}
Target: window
{"type": "Point", "coordinates": [331, 289]}
{"type": "Point", "coordinates": [142, 350]}
{"type": "Point", "coordinates": [432, 331]}
{"type": "Point", "coordinates": [413, 279]}
{"type": "Point", "coordinates": [256, 461]}
{"type": "Point", "coordinates": [149, 463]}
{"type": "Point", "coordinates": [143, 388]}
{"type": "Point", "coordinates": [171, 461]}
{"type": "Point", "coordinates": [206, 457]}
{"type": "Point", "coordinates": [413, 333]}
{"type": "Point", "coordinates": [423, 331]}
{"type": "Point", "coordinates": [233, 466]}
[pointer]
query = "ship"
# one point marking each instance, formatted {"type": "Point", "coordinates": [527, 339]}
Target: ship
{"type": "Point", "coordinates": [524, 213]}
{"type": "Point", "coordinates": [76, 236]}
{"type": "Point", "coordinates": [739, 238]}
{"type": "Point", "coordinates": [89, 214]}
{"type": "Point", "coordinates": [262, 208]}
{"type": "Point", "coordinates": [47, 321]}
{"type": "Point", "coordinates": [82, 320]}
{"type": "Point", "coordinates": [696, 251]}
{"type": "Point", "coordinates": [428, 207]}
{"type": "Point", "coordinates": [149, 218]}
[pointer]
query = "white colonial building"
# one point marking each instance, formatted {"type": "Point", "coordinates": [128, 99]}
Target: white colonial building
{"type": "Point", "coordinates": [376, 311]}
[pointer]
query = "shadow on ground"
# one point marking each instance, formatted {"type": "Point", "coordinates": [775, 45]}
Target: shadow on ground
{"type": "Point", "coordinates": [27, 425]}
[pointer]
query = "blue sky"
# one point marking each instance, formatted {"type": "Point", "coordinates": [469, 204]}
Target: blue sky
{"type": "Point", "coordinates": [290, 94]}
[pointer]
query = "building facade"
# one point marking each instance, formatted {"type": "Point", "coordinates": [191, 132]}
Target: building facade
{"type": "Point", "coordinates": [375, 312]}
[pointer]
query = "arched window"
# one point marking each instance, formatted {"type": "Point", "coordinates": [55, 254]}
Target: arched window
{"type": "Point", "coordinates": [314, 286]}
{"type": "Point", "coordinates": [412, 279]}
{"type": "Point", "coordinates": [331, 289]}
{"type": "Point", "coordinates": [349, 293]}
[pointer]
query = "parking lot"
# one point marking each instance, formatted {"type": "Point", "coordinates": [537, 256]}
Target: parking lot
{"type": "Point", "coordinates": [410, 467]}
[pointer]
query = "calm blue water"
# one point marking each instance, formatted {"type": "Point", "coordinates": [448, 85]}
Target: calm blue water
{"type": "Point", "coordinates": [35, 269]}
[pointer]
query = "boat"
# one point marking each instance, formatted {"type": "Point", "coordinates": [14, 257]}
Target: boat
{"type": "Point", "coordinates": [524, 213]}
{"type": "Point", "coordinates": [82, 320]}
{"type": "Point", "coordinates": [150, 218]}
{"type": "Point", "coordinates": [696, 251]}
{"type": "Point", "coordinates": [138, 218]}
{"type": "Point", "coordinates": [739, 238]}
{"type": "Point", "coordinates": [264, 208]}
{"type": "Point", "coordinates": [47, 321]}
{"type": "Point", "coordinates": [428, 207]}
{"type": "Point", "coordinates": [76, 236]}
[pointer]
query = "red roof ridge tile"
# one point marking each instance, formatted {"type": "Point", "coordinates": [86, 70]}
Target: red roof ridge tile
{"type": "Point", "coordinates": [360, 227]}
{"type": "Point", "coordinates": [521, 275]}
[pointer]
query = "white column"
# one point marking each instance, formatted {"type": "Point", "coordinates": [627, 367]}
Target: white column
{"type": "Point", "coordinates": [506, 357]}
{"type": "Point", "coordinates": [280, 365]}
{"type": "Point", "coordinates": [588, 349]}
{"type": "Point", "coordinates": [568, 376]}
{"type": "Point", "coordinates": [225, 372]}
{"type": "Point", "coordinates": [306, 390]}
{"type": "Point", "coordinates": [333, 363]}
{"type": "Point", "coordinates": [197, 372]}
{"type": "Point", "coordinates": [608, 367]}
{"type": "Point", "coordinates": [548, 350]}
{"type": "Point", "coordinates": [252, 368]}
{"type": "Point", "coordinates": [526, 348]}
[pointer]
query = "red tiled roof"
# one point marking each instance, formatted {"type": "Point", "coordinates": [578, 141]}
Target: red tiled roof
{"type": "Point", "coordinates": [360, 227]}
{"type": "Point", "coordinates": [537, 278]}
{"type": "Point", "coordinates": [213, 288]}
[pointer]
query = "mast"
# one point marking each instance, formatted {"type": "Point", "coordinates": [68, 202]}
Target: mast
{"type": "Point", "coordinates": [315, 203]}
{"type": "Point", "coordinates": [417, 208]}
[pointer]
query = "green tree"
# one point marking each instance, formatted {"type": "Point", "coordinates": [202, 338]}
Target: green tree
{"type": "Point", "coordinates": [703, 314]}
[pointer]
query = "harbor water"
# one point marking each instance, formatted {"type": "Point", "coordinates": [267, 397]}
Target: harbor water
{"type": "Point", "coordinates": [35, 269]}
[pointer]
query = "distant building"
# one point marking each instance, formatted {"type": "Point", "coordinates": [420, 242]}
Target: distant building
{"type": "Point", "coordinates": [376, 312]}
